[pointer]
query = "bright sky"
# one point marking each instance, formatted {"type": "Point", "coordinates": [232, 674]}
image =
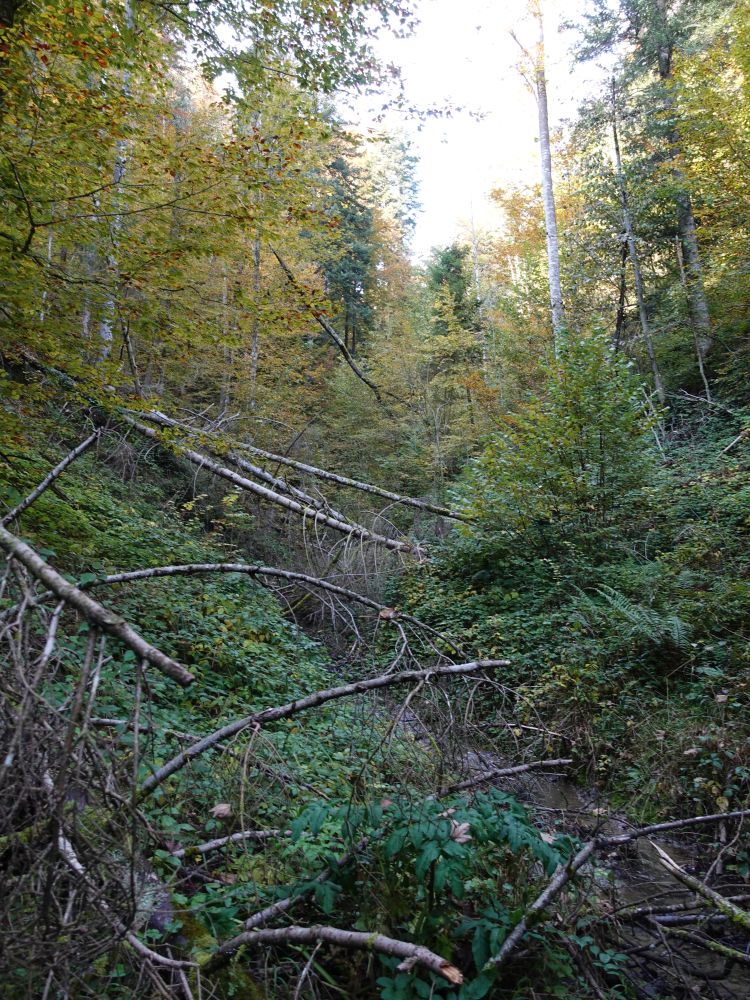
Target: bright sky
{"type": "Point", "coordinates": [463, 54]}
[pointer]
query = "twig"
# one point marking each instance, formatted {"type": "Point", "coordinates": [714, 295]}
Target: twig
{"type": "Point", "coordinates": [302, 704]}
{"type": "Point", "coordinates": [411, 954]}
{"type": "Point", "coordinates": [306, 971]}
{"type": "Point", "coordinates": [49, 479]}
{"type": "Point", "coordinates": [91, 610]}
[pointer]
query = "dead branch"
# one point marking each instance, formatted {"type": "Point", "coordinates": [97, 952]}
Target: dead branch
{"type": "Point", "coordinates": [91, 610]}
{"type": "Point", "coordinates": [730, 910]}
{"type": "Point", "coordinates": [50, 478]}
{"type": "Point", "coordinates": [411, 954]}
{"type": "Point", "coordinates": [658, 912]}
{"type": "Point", "coordinates": [160, 418]}
{"type": "Point", "coordinates": [187, 569]}
{"type": "Point", "coordinates": [282, 905]}
{"type": "Point", "coordinates": [503, 772]}
{"type": "Point", "coordinates": [675, 824]}
{"type": "Point", "coordinates": [318, 516]}
{"type": "Point", "coordinates": [233, 838]}
{"type": "Point", "coordinates": [328, 329]}
{"type": "Point", "coordinates": [534, 913]}
{"type": "Point", "coordinates": [68, 854]}
{"type": "Point", "coordinates": [710, 945]}
{"type": "Point", "coordinates": [564, 875]}
{"type": "Point", "coordinates": [302, 704]}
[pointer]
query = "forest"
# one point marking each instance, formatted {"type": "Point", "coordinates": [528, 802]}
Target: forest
{"type": "Point", "coordinates": [370, 627]}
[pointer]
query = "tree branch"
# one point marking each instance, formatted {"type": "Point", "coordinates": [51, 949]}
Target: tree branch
{"type": "Point", "coordinates": [534, 913]}
{"type": "Point", "coordinates": [411, 954]}
{"type": "Point", "coordinates": [233, 838]}
{"type": "Point", "coordinates": [91, 610]}
{"type": "Point", "coordinates": [303, 704]}
{"type": "Point", "coordinates": [564, 875]}
{"type": "Point", "coordinates": [329, 330]}
{"type": "Point", "coordinates": [49, 479]}
{"type": "Point", "coordinates": [730, 910]}
{"type": "Point", "coordinates": [189, 569]}
{"type": "Point", "coordinates": [503, 772]}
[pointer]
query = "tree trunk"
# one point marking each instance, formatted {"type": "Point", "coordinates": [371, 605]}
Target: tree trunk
{"type": "Point", "coordinates": [255, 333]}
{"type": "Point", "coordinates": [107, 321]}
{"type": "Point", "coordinates": [696, 294]}
{"type": "Point", "coordinates": [697, 303]}
{"type": "Point", "coordinates": [548, 191]}
{"type": "Point", "coordinates": [633, 250]}
{"type": "Point", "coordinates": [620, 320]}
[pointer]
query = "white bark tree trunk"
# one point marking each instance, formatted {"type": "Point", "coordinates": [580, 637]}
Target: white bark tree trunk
{"type": "Point", "coordinates": [548, 190]}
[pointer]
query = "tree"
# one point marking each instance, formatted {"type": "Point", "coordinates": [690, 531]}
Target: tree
{"type": "Point", "coordinates": [570, 461]}
{"type": "Point", "coordinates": [655, 32]}
{"type": "Point", "coordinates": [535, 73]}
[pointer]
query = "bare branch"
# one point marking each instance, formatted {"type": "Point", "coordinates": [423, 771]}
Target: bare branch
{"type": "Point", "coordinates": [49, 479]}
{"type": "Point", "coordinates": [233, 838]}
{"type": "Point", "coordinates": [503, 772]}
{"type": "Point", "coordinates": [534, 913]}
{"type": "Point", "coordinates": [730, 910]}
{"type": "Point", "coordinates": [188, 569]}
{"type": "Point", "coordinates": [318, 516]}
{"type": "Point", "coordinates": [411, 954]}
{"type": "Point", "coordinates": [329, 330]}
{"type": "Point", "coordinates": [159, 418]}
{"type": "Point", "coordinates": [91, 610]}
{"type": "Point", "coordinates": [675, 824]}
{"type": "Point", "coordinates": [564, 875]}
{"type": "Point", "coordinates": [303, 704]}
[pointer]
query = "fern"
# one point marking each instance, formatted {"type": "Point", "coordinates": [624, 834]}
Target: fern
{"type": "Point", "coordinates": [617, 613]}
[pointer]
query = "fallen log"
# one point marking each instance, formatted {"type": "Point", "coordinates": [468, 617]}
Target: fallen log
{"type": "Point", "coordinates": [49, 479]}
{"type": "Point", "coordinates": [160, 418]}
{"type": "Point", "coordinates": [90, 609]}
{"type": "Point", "coordinates": [350, 529]}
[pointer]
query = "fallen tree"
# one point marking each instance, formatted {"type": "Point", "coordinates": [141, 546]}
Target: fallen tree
{"type": "Point", "coordinates": [318, 516]}
{"type": "Point", "coordinates": [95, 613]}
{"type": "Point", "coordinates": [263, 717]}
{"type": "Point", "coordinates": [333, 477]}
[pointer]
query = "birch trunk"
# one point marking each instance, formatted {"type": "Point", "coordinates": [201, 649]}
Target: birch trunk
{"type": "Point", "coordinates": [255, 333]}
{"type": "Point", "coordinates": [107, 321]}
{"type": "Point", "coordinates": [548, 191]}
